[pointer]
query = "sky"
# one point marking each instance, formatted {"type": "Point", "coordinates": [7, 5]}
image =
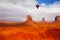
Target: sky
{"type": "Point", "coordinates": [17, 10]}
{"type": "Point", "coordinates": [47, 2]}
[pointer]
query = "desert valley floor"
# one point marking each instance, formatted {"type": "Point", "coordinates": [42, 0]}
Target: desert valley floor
{"type": "Point", "coordinates": [30, 30]}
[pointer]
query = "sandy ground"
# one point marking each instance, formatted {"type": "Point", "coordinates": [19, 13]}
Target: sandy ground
{"type": "Point", "coordinates": [30, 30]}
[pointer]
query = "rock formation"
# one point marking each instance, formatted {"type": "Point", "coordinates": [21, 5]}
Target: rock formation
{"type": "Point", "coordinates": [57, 19]}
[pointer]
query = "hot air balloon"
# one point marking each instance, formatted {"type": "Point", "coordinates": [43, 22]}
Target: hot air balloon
{"type": "Point", "coordinates": [37, 6]}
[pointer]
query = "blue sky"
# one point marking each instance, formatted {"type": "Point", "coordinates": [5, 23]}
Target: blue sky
{"type": "Point", "coordinates": [47, 2]}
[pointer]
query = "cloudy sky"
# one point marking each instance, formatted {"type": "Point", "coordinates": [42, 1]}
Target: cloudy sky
{"type": "Point", "coordinates": [17, 10]}
{"type": "Point", "coordinates": [47, 2]}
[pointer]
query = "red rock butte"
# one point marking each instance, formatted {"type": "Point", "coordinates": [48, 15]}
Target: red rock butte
{"type": "Point", "coordinates": [30, 30]}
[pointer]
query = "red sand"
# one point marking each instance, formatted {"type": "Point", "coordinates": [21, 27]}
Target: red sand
{"type": "Point", "coordinates": [30, 30]}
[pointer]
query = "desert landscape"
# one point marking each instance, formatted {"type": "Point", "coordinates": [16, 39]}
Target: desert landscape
{"type": "Point", "coordinates": [30, 30]}
{"type": "Point", "coordinates": [29, 19]}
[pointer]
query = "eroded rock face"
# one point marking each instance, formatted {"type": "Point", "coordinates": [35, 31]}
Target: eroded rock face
{"type": "Point", "coordinates": [57, 18]}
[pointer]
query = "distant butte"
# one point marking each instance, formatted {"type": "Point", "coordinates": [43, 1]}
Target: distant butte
{"type": "Point", "coordinates": [30, 30]}
{"type": "Point", "coordinates": [29, 21]}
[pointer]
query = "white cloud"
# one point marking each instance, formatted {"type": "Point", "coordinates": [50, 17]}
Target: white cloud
{"type": "Point", "coordinates": [47, 12]}
{"type": "Point", "coordinates": [17, 9]}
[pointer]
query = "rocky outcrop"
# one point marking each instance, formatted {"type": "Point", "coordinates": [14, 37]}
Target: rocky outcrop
{"type": "Point", "coordinates": [57, 19]}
